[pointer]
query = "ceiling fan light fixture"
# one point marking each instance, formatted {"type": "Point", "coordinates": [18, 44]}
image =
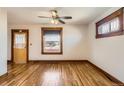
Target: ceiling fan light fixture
{"type": "Point", "coordinates": [55, 18]}
{"type": "Point", "coordinates": [53, 13]}
{"type": "Point", "coordinates": [54, 21]}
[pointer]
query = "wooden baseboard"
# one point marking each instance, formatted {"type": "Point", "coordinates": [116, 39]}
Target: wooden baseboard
{"type": "Point", "coordinates": [110, 77]}
{"type": "Point", "coordinates": [4, 75]}
{"type": "Point", "coordinates": [53, 61]}
{"type": "Point", "coordinates": [58, 61]}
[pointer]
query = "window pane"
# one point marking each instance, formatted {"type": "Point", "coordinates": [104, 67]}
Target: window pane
{"type": "Point", "coordinates": [104, 28]}
{"type": "Point", "coordinates": [19, 38]}
{"type": "Point", "coordinates": [100, 29]}
{"type": "Point", "coordinates": [51, 36]}
{"type": "Point", "coordinates": [52, 41]}
{"type": "Point", "coordinates": [20, 41]}
{"type": "Point", "coordinates": [115, 25]}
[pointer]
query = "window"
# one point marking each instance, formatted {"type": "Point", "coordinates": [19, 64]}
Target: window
{"type": "Point", "coordinates": [19, 41]}
{"type": "Point", "coordinates": [112, 25]}
{"type": "Point", "coordinates": [52, 40]}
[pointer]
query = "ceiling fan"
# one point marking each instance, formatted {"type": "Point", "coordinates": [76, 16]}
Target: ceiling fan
{"type": "Point", "coordinates": [55, 18]}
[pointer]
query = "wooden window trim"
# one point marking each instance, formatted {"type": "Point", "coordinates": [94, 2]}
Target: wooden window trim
{"type": "Point", "coordinates": [50, 29]}
{"type": "Point", "coordinates": [119, 14]}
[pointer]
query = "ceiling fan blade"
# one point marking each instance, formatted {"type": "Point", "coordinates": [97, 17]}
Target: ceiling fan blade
{"type": "Point", "coordinates": [66, 17]}
{"type": "Point", "coordinates": [61, 21]}
{"type": "Point", "coordinates": [44, 17]}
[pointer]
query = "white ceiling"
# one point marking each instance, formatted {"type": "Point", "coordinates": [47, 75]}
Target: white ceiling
{"type": "Point", "coordinates": [80, 15]}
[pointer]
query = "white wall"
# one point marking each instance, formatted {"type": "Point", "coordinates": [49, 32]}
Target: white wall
{"type": "Point", "coordinates": [3, 41]}
{"type": "Point", "coordinates": [74, 42]}
{"type": "Point", "coordinates": [107, 53]}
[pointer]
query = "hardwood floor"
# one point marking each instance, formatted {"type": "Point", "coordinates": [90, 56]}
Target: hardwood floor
{"type": "Point", "coordinates": [64, 74]}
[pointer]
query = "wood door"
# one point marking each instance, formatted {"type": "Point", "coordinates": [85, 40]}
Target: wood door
{"type": "Point", "coordinates": [20, 46]}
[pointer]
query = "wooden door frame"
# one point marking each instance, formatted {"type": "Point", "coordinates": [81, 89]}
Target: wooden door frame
{"type": "Point", "coordinates": [12, 40]}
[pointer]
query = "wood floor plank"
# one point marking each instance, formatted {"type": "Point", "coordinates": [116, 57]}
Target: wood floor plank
{"type": "Point", "coordinates": [55, 74]}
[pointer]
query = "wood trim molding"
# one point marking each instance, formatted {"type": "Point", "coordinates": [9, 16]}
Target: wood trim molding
{"type": "Point", "coordinates": [110, 77]}
{"type": "Point", "coordinates": [6, 74]}
{"type": "Point", "coordinates": [52, 61]}
{"type": "Point", "coordinates": [58, 61]}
